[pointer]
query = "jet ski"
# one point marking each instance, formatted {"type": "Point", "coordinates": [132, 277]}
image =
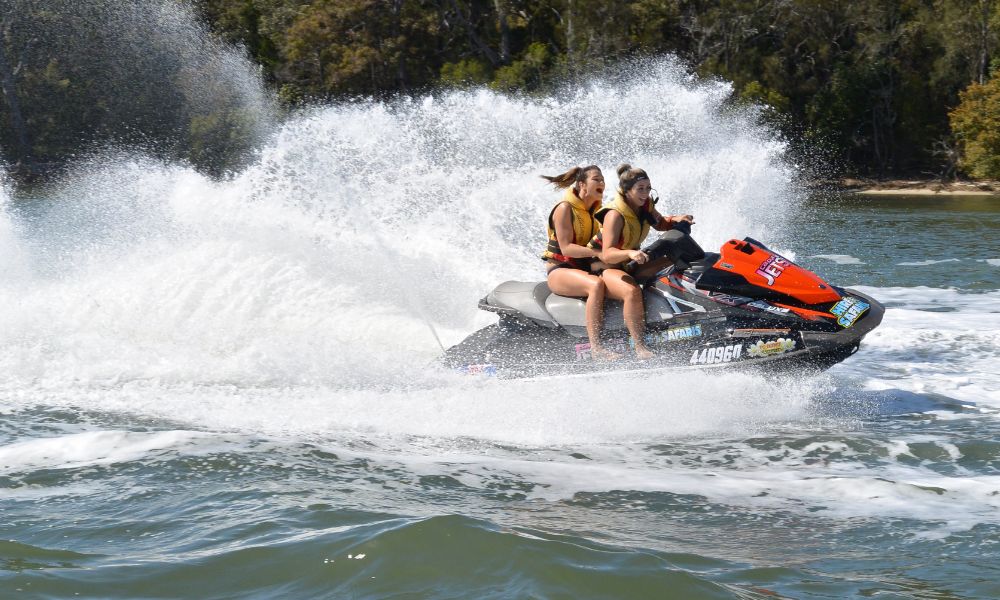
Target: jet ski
{"type": "Point", "coordinates": [743, 307]}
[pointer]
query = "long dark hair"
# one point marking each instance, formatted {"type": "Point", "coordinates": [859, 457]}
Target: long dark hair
{"type": "Point", "coordinates": [571, 177]}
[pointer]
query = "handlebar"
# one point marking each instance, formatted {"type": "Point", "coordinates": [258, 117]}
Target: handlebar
{"type": "Point", "coordinates": [676, 244]}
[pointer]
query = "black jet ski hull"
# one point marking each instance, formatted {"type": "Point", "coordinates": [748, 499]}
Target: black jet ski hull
{"type": "Point", "coordinates": [513, 348]}
{"type": "Point", "coordinates": [745, 307]}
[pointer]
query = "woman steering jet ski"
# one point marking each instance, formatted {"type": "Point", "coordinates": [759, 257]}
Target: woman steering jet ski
{"type": "Point", "coordinates": [625, 224]}
{"type": "Point", "coordinates": [571, 226]}
{"type": "Point", "coordinates": [744, 306]}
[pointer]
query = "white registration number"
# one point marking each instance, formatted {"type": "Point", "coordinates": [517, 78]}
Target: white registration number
{"type": "Point", "coordinates": [719, 354]}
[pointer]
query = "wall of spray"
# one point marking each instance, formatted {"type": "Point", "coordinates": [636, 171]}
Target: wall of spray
{"type": "Point", "coordinates": [317, 262]}
{"type": "Point", "coordinates": [318, 266]}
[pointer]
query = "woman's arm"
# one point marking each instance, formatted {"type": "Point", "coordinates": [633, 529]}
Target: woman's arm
{"type": "Point", "coordinates": [612, 231]}
{"type": "Point", "coordinates": [562, 218]}
{"type": "Point", "coordinates": [666, 223]}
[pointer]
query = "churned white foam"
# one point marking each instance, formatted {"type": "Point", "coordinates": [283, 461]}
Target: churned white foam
{"type": "Point", "coordinates": [993, 262]}
{"type": "Point", "coordinates": [531, 412]}
{"type": "Point", "coordinates": [361, 227]}
{"type": "Point", "coordinates": [840, 259]}
{"type": "Point", "coordinates": [959, 304]}
{"type": "Point", "coordinates": [933, 340]}
{"type": "Point", "coordinates": [179, 279]}
{"type": "Point", "coordinates": [852, 477]}
{"type": "Point", "coordinates": [90, 448]}
{"type": "Point", "coordinates": [13, 262]}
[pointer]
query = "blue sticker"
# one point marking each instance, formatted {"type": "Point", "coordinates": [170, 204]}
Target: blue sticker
{"type": "Point", "coordinates": [674, 334]}
{"type": "Point", "coordinates": [849, 310]}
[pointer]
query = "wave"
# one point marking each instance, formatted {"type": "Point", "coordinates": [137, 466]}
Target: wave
{"type": "Point", "coordinates": [934, 341]}
{"type": "Point", "coordinates": [840, 259]}
{"type": "Point", "coordinates": [924, 263]}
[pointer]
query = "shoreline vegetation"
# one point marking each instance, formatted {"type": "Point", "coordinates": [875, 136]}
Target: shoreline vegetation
{"type": "Point", "coordinates": [881, 88]}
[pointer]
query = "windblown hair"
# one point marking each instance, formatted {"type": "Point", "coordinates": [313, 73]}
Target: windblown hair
{"type": "Point", "coordinates": [571, 177]}
{"type": "Point", "coordinates": [628, 177]}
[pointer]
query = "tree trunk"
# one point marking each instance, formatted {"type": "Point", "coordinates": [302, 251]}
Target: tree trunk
{"type": "Point", "coordinates": [501, 8]}
{"type": "Point", "coordinates": [470, 30]}
{"type": "Point", "coordinates": [984, 41]}
{"type": "Point", "coordinates": [7, 84]}
{"type": "Point", "coordinates": [397, 17]}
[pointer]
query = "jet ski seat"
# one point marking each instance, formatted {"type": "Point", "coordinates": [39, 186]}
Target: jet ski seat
{"type": "Point", "coordinates": [525, 297]}
{"type": "Point", "coordinates": [535, 302]}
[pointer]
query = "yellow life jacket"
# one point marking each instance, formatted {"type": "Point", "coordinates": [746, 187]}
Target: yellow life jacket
{"type": "Point", "coordinates": [635, 228]}
{"type": "Point", "coordinates": [585, 227]}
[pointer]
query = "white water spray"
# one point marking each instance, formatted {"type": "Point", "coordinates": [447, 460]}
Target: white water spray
{"type": "Point", "coordinates": [313, 266]}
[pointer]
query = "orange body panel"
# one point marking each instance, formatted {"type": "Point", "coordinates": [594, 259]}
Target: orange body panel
{"type": "Point", "coordinates": [805, 313]}
{"type": "Point", "coordinates": [769, 270]}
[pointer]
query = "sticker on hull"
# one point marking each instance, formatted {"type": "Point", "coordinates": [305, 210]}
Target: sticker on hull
{"type": "Point", "coordinates": [849, 310]}
{"type": "Point", "coordinates": [772, 268]}
{"type": "Point", "coordinates": [729, 299]}
{"type": "Point", "coordinates": [771, 347]}
{"type": "Point", "coordinates": [674, 334]}
{"type": "Point", "coordinates": [717, 355]}
{"type": "Point", "coordinates": [583, 352]}
{"type": "Point", "coordinates": [487, 370]}
{"type": "Point", "coordinates": [759, 332]}
{"type": "Point", "coordinates": [761, 305]}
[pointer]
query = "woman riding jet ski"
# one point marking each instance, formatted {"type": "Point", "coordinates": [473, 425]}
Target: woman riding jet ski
{"type": "Point", "coordinates": [624, 225]}
{"type": "Point", "coordinates": [744, 306]}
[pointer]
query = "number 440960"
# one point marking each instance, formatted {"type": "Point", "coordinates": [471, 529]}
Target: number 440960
{"type": "Point", "coordinates": [720, 354]}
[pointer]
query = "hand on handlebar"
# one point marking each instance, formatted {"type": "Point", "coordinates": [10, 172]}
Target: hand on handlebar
{"type": "Point", "coordinates": [682, 218]}
{"type": "Point", "coordinates": [638, 257]}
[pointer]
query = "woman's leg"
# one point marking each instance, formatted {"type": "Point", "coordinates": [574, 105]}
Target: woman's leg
{"type": "Point", "coordinates": [577, 283]}
{"type": "Point", "coordinates": [622, 287]}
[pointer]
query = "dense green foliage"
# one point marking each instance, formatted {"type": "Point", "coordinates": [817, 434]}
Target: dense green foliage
{"type": "Point", "coordinates": [976, 123]}
{"type": "Point", "coordinates": [872, 82]}
{"type": "Point", "coordinates": [75, 75]}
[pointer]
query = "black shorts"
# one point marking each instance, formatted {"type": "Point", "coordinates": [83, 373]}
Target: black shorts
{"type": "Point", "coordinates": [554, 264]}
{"type": "Point", "coordinates": [594, 267]}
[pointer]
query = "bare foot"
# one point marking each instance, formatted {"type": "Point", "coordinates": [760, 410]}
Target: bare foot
{"type": "Point", "coordinates": [604, 355]}
{"type": "Point", "coordinates": [643, 353]}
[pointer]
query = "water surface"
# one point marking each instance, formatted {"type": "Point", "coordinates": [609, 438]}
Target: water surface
{"type": "Point", "coordinates": [223, 389]}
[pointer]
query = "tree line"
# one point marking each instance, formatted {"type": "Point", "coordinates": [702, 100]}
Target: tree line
{"type": "Point", "coordinates": [886, 87]}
